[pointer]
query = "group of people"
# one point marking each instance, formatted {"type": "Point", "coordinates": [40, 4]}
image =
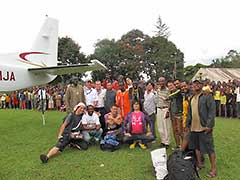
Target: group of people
{"type": "Point", "coordinates": [46, 97]}
{"type": "Point", "coordinates": [113, 113]}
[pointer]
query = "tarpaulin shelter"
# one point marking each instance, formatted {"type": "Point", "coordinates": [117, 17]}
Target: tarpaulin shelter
{"type": "Point", "coordinates": [218, 74]}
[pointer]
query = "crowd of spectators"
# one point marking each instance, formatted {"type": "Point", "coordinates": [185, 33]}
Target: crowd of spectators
{"type": "Point", "coordinates": [31, 98]}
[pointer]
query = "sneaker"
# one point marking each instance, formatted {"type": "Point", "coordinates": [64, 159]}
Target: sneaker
{"type": "Point", "coordinates": [132, 146]}
{"type": "Point", "coordinates": [142, 146]}
{"type": "Point", "coordinates": [162, 145]}
{"type": "Point", "coordinates": [166, 146]}
{"type": "Point", "coordinates": [44, 158]}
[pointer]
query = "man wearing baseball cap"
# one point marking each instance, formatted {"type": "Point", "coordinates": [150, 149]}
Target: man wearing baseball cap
{"type": "Point", "coordinates": [200, 123]}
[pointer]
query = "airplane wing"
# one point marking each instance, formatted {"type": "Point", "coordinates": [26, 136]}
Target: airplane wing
{"type": "Point", "coordinates": [67, 69]}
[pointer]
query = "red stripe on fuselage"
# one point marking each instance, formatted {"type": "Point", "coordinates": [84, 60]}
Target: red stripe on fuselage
{"type": "Point", "coordinates": [23, 55]}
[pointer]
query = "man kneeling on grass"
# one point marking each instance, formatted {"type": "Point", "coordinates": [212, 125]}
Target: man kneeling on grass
{"type": "Point", "coordinates": [69, 132]}
{"type": "Point", "coordinates": [113, 137]}
{"type": "Point", "coordinates": [135, 129]}
{"type": "Point", "coordinates": [91, 125]}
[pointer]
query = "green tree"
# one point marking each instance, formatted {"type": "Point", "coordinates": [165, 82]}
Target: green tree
{"type": "Point", "coordinates": [107, 51]}
{"type": "Point", "coordinates": [136, 53]}
{"type": "Point", "coordinates": [191, 70]}
{"type": "Point", "coordinates": [231, 60]}
{"type": "Point", "coordinates": [162, 29]}
{"type": "Point", "coordinates": [163, 59]}
{"type": "Point", "coordinates": [132, 53]}
{"type": "Point", "coordinates": [69, 53]}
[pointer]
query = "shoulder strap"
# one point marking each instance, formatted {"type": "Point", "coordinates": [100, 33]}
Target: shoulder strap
{"type": "Point", "coordinates": [79, 123]}
{"type": "Point", "coordinates": [70, 124]}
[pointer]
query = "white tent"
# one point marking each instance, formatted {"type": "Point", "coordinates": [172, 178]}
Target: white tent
{"type": "Point", "coordinates": [218, 74]}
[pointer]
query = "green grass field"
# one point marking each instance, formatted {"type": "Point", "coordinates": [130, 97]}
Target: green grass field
{"type": "Point", "coordinates": [24, 138]}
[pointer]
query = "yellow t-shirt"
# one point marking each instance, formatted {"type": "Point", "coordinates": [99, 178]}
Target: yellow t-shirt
{"type": "Point", "coordinates": [217, 95]}
{"type": "Point", "coordinates": [223, 99]}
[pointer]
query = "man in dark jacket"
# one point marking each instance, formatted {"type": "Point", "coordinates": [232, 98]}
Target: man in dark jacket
{"type": "Point", "coordinates": [200, 122]}
{"type": "Point", "coordinates": [176, 109]}
{"type": "Point", "coordinates": [136, 93]}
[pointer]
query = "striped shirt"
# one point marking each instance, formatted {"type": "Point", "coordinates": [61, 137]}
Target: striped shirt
{"type": "Point", "coordinates": [161, 97]}
{"type": "Point", "coordinates": [149, 102]}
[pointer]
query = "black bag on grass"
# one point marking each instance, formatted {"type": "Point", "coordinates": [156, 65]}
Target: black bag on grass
{"type": "Point", "coordinates": [181, 166]}
{"type": "Point", "coordinates": [108, 147]}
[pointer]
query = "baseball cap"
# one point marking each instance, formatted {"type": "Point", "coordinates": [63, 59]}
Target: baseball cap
{"type": "Point", "coordinates": [207, 88]}
{"type": "Point", "coordinates": [198, 81]}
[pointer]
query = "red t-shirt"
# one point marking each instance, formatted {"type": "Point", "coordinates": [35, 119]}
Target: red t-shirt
{"type": "Point", "coordinates": [137, 126]}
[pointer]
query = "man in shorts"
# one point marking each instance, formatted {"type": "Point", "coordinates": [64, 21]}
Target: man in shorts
{"type": "Point", "coordinates": [200, 123]}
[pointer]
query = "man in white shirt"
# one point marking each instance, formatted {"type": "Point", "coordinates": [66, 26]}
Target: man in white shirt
{"type": "Point", "coordinates": [101, 96]}
{"type": "Point", "coordinates": [90, 94]}
{"type": "Point", "coordinates": [149, 104]}
{"type": "Point", "coordinates": [42, 95]}
{"type": "Point", "coordinates": [91, 125]}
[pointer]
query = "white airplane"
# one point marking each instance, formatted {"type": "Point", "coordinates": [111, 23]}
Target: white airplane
{"type": "Point", "coordinates": [39, 65]}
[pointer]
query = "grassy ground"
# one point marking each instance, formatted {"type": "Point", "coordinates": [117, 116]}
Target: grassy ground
{"type": "Point", "coordinates": [24, 138]}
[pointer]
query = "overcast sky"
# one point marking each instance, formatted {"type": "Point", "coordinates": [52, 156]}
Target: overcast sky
{"type": "Point", "coordinates": [201, 29]}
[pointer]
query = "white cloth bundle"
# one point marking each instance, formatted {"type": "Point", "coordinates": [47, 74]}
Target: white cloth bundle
{"type": "Point", "coordinates": [159, 159]}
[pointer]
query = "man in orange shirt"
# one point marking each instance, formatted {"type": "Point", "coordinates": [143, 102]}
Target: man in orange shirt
{"type": "Point", "coordinates": [122, 100]}
{"type": "Point", "coordinates": [8, 101]}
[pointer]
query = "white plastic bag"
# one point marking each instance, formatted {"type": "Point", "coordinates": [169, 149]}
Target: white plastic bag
{"type": "Point", "coordinates": [159, 159]}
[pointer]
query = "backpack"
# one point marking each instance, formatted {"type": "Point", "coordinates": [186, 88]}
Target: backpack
{"type": "Point", "coordinates": [108, 147]}
{"type": "Point", "coordinates": [108, 144]}
{"type": "Point", "coordinates": [181, 166]}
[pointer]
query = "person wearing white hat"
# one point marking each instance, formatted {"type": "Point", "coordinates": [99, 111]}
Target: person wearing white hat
{"type": "Point", "coordinates": [69, 132]}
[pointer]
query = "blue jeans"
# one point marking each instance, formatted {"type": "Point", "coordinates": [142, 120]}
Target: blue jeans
{"type": "Point", "coordinates": [87, 135]}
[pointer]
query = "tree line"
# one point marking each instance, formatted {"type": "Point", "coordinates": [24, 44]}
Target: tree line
{"type": "Point", "coordinates": [137, 54]}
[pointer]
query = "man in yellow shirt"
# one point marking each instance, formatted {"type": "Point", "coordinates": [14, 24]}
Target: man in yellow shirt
{"type": "Point", "coordinates": [217, 101]}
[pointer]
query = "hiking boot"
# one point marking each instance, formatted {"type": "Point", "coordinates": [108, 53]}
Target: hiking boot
{"type": "Point", "coordinates": [44, 158]}
{"type": "Point", "coordinates": [132, 146]}
{"type": "Point", "coordinates": [142, 146]}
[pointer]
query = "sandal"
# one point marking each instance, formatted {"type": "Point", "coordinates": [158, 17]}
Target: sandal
{"type": "Point", "coordinates": [211, 174]}
{"type": "Point", "coordinates": [200, 166]}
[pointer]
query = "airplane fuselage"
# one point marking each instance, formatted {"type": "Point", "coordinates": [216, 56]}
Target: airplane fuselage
{"type": "Point", "coordinates": [18, 77]}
